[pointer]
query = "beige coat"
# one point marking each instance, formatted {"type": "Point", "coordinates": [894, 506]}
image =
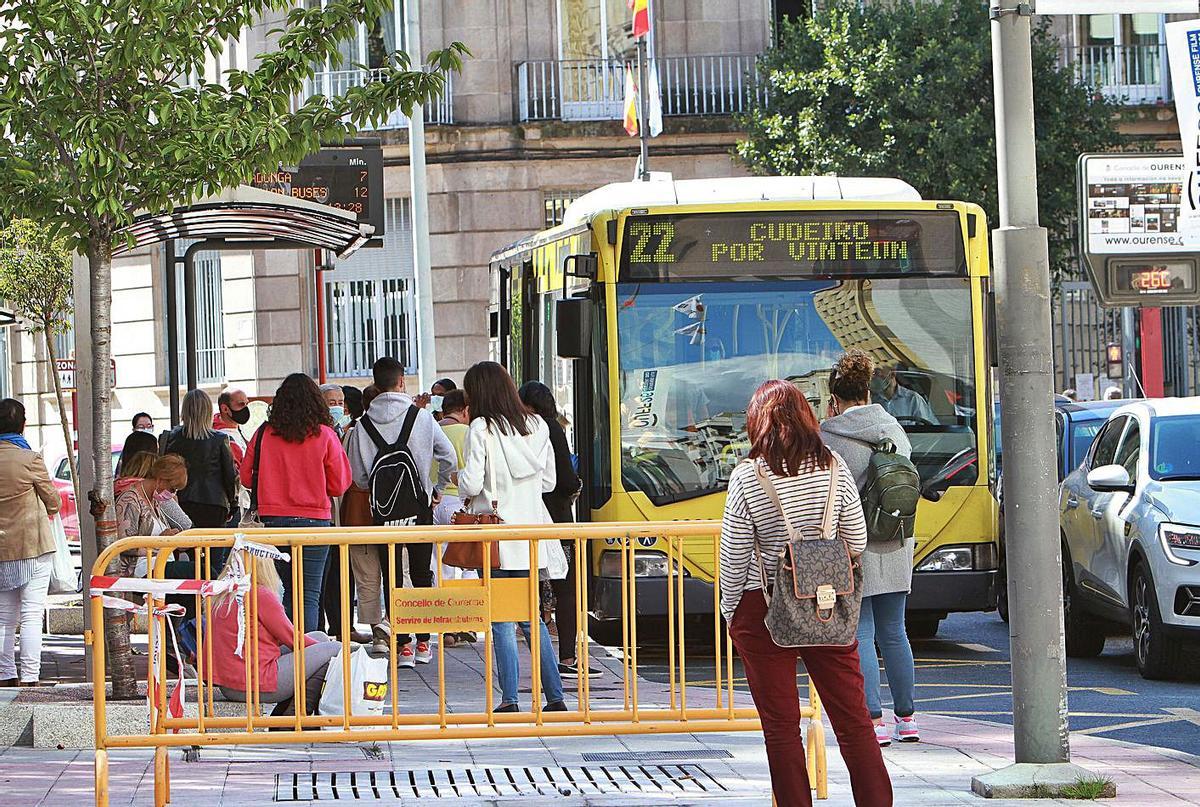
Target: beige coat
{"type": "Point", "coordinates": [27, 497]}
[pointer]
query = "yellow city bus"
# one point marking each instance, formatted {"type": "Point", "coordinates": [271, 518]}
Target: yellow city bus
{"type": "Point", "coordinates": [657, 308]}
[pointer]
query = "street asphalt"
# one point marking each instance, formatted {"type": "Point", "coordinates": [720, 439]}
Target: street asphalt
{"type": "Point", "coordinates": [964, 672]}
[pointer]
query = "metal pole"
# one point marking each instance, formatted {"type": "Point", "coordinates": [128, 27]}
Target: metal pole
{"type": "Point", "coordinates": [322, 369]}
{"type": "Point", "coordinates": [643, 109]}
{"type": "Point", "coordinates": [85, 443]}
{"type": "Point", "coordinates": [189, 315]}
{"type": "Point", "coordinates": [1129, 383]}
{"type": "Point", "coordinates": [1026, 400]}
{"type": "Point", "coordinates": [427, 351]}
{"type": "Point", "coordinates": [172, 330]}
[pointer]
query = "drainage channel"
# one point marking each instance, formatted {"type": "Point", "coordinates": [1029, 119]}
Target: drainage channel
{"type": "Point", "coordinates": [449, 783]}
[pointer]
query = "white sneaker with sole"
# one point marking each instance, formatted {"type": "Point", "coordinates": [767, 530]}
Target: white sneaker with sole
{"type": "Point", "coordinates": [881, 735]}
{"type": "Point", "coordinates": [424, 653]}
{"type": "Point", "coordinates": [405, 657]}
{"type": "Point", "coordinates": [905, 731]}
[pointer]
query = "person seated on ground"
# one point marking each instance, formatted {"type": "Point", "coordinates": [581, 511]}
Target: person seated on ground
{"type": "Point", "coordinates": [276, 639]}
{"type": "Point", "coordinates": [902, 403]}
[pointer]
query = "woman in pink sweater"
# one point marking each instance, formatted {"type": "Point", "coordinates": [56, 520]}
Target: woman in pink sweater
{"type": "Point", "coordinates": [293, 466]}
{"type": "Point", "coordinates": [276, 635]}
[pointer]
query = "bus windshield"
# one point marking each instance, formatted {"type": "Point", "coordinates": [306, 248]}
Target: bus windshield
{"type": "Point", "coordinates": [693, 352]}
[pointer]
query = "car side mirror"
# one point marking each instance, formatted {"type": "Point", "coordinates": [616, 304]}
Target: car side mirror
{"type": "Point", "coordinates": [1109, 479]}
{"type": "Point", "coordinates": [574, 336]}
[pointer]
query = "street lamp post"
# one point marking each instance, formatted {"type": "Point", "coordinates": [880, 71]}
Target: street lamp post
{"type": "Point", "coordinates": [1025, 348]}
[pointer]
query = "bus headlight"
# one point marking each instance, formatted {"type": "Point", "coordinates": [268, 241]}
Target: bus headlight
{"type": "Point", "coordinates": [976, 557]}
{"type": "Point", "coordinates": [645, 564]}
{"type": "Point", "coordinates": [950, 559]}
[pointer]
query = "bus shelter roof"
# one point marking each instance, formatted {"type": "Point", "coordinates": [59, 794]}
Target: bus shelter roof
{"type": "Point", "coordinates": [247, 214]}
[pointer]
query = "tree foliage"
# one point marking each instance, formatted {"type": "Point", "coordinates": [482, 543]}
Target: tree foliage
{"type": "Point", "coordinates": [904, 89]}
{"type": "Point", "coordinates": [35, 275]}
{"type": "Point", "coordinates": [103, 118]}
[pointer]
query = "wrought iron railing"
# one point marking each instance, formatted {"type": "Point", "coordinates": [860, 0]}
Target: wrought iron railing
{"type": "Point", "coordinates": [336, 82]}
{"type": "Point", "coordinates": [1131, 74]}
{"type": "Point", "coordinates": [594, 89]}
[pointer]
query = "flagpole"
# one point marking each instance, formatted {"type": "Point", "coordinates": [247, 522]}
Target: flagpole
{"type": "Point", "coordinates": [643, 108]}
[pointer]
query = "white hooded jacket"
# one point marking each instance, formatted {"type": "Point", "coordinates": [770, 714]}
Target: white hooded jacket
{"type": "Point", "coordinates": [513, 470]}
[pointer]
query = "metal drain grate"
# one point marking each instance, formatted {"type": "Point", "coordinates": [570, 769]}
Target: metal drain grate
{"type": "Point", "coordinates": [657, 756]}
{"type": "Point", "coordinates": [442, 783]}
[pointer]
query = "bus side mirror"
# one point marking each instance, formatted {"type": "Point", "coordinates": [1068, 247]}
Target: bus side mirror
{"type": "Point", "coordinates": [584, 266]}
{"type": "Point", "coordinates": [574, 336]}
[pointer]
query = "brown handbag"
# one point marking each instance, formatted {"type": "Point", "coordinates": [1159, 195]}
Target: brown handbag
{"type": "Point", "coordinates": [356, 508]}
{"type": "Point", "coordinates": [469, 554]}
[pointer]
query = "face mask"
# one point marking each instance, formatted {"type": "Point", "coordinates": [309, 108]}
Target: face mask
{"type": "Point", "coordinates": [240, 416]}
{"type": "Point", "coordinates": [337, 413]}
{"type": "Point", "coordinates": [163, 496]}
{"type": "Point", "coordinates": [435, 403]}
{"type": "Point", "coordinates": [146, 429]}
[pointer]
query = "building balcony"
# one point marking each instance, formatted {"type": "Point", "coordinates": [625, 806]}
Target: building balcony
{"type": "Point", "coordinates": [1136, 75]}
{"type": "Point", "coordinates": [336, 82]}
{"type": "Point", "coordinates": [594, 89]}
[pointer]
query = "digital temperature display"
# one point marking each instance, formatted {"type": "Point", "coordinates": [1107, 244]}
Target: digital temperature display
{"type": "Point", "coordinates": [1154, 279]}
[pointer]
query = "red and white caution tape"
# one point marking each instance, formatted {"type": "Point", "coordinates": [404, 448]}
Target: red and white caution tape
{"type": "Point", "coordinates": [100, 584]}
{"type": "Point", "coordinates": [118, 604]}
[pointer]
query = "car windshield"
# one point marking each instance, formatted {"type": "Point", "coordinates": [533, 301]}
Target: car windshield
{"type": "Point", "coordinates": [1173, 442]}
{"type": "Point", "coordinates": [692, 353]}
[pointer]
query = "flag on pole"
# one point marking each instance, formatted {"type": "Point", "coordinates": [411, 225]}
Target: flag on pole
{"type": "Point", "coordinates": [641, 16]}
{"type": "Point", "coordinates": [631, 103]}
{"type": "Point", "coordinates": [655, 103]}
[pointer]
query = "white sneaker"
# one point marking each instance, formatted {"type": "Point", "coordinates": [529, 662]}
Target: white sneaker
{"type": "Point", "coordinates": [881, 735]}
{"type": "Point", "coordinates": [905, 731]}
{"type": "Point", "coordinates": [424, 653]}
{"type": "Point", "coordinates": [405, 658]}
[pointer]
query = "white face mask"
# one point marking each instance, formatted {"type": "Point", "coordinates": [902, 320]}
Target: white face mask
{"type": "Point", "coordinates": [435, 403]}
{"type": "Point", "coordinates": [146, 429]}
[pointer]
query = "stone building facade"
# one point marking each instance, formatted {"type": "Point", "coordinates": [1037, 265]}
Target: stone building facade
{"type": "Point", "coordinates": [532, 121]}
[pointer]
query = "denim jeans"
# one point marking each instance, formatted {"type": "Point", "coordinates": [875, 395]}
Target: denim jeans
{"type": "Point", "coordinates": [314, 570]}
{"type": "Point", "coordinates": [504, 640]}
{"type": "Point", "coordinates": [882, 623]}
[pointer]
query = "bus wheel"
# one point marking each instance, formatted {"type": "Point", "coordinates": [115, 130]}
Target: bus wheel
{"type": "Point", "coordinates": [922, 627]}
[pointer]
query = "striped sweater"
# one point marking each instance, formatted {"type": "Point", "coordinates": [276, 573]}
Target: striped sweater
{"type": "Point", "coordinates": [749, 512]}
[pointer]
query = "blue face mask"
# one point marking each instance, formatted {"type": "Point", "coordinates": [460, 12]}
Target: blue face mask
{"type": "Point", "coordinates": [435, 403]}
{"type": "Point", "coordinates": [337, 413]}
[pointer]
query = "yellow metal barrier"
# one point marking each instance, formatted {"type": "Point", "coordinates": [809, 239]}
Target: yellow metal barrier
{"type": "Point", "coordinates": [644, 708]}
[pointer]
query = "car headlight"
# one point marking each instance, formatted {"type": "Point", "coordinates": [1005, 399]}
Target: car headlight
{"type": "Point", "coordinates": [950, 559]}
{"type": "Point", "coordinates": [1179, 536]}
{"type": "Point", "coordinates": [645, 564]}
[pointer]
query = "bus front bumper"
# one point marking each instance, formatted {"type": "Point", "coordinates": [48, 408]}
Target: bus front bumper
{"type": "Point", "coordinates": [950, 592]}
{"type": "Point", "coordinates": [651, 597]}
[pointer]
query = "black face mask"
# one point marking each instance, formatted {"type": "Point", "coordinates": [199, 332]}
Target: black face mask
{"type": "Point", "coordinates": [240, 416]}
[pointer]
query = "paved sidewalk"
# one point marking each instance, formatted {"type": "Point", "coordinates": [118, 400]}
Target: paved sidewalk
{"type": "Point", "coordinates": [706, 769]}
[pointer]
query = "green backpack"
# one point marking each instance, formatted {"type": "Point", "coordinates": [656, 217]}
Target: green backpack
{"type": "Point", "coordinates": [890, 495]}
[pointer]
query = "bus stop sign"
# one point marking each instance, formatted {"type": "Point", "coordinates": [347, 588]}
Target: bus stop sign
{"type": "Point", "coordinates": [1137, 248]}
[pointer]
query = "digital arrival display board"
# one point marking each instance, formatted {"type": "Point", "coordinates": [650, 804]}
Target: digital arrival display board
{"type": "Point", "coordinates": [348, 178]}
{"type": "Point", "coordinates": [806, 244]}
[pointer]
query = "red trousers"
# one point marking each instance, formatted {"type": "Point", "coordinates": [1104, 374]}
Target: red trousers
{"type": "Point", "coordinates": [771, 673]}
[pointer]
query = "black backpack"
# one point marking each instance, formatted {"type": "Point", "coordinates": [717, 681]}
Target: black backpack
{"type": "Point", "coordinates": [890, 495]}
{"type": "Point", "coordinates": [397, 494]}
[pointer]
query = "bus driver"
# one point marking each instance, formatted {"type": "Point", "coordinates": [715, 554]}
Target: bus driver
{"type": "Point", "coordinates": [901, 402]}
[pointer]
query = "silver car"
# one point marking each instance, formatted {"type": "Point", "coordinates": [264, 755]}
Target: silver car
{"type": "Point", "coordinates": [1130, 518]}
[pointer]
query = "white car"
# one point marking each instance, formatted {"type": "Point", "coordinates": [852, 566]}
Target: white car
{"type": "Point", "coordinates": [1130, 519]}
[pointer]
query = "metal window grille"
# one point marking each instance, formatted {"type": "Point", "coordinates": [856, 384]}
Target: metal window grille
{"type": "Point", "coordinates": [64, 340]}
{"type": "Point", "coordinates": [369, 302]}
{"type": "Point", "coordinates": [210, 320]}
{"type": "Point", "coordinates": [556, 203]}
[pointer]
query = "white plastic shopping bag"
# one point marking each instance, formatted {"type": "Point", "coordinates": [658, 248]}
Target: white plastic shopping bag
{"type": "Point", "coordinates": [63, 579]}
{"type": "Point", "coordinates": [368, 685]}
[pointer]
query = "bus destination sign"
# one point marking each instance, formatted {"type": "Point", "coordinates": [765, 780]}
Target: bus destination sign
{"type": "Point", "coordinates": [814, 244]}
{"type": "Point", "coordinates": [348, 178]}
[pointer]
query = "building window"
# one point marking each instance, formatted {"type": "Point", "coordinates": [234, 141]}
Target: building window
{"type": "Point", "coordinates": [1124, 55]}
{"type": "Point", "coordinates": [371, 47]}
{"type": "Point", "coordinates": [210, 319]}
{"type": "Point", "coordinates": [556, 203]}
{"type": "Point", "coordinates": [64, 340]}
{"type": "Point", "coordinates": [369, 302]}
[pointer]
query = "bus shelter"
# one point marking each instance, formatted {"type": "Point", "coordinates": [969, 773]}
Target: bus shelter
{"type": "Point", "coordinates": [240, 218]}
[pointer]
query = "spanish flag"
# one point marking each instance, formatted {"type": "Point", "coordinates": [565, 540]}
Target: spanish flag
{"type": "Point", "coordinates": [641, 16]}
{"type": "Point", "coordinates": [631, 103]}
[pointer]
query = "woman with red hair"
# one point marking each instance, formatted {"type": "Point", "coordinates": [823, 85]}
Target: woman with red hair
{"type": "Point", "coordinates": [786, 446]}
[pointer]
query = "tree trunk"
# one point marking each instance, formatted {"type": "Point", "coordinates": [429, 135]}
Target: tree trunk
{"type": "Point", "coordinates": [116, 626]}
{"type": "Point", "coordinates": [62, 414]}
